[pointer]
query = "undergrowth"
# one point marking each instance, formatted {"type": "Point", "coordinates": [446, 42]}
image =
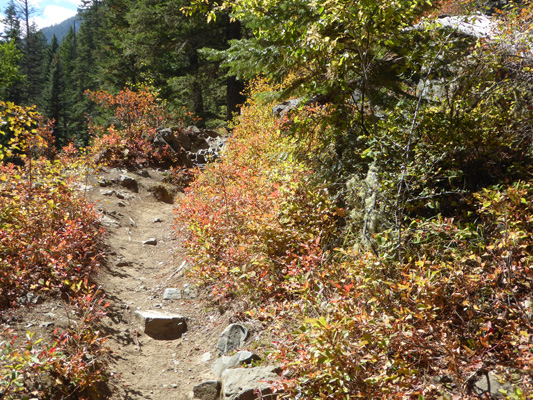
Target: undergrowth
{"type": "Point", "coordinates": [50, 244]}
{"type": "Point", "coordinates": [351, 323]}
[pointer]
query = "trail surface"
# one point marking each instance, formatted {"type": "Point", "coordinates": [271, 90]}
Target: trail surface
{"type": "Point", "coordinates": [134, 278]}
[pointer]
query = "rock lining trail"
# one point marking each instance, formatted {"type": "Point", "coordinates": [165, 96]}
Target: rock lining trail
{"type": "Point", "coordinates": [143, 260]}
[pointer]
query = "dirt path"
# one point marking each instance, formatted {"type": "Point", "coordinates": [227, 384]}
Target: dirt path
{"type": "Point", "coordinates": [135, 278]}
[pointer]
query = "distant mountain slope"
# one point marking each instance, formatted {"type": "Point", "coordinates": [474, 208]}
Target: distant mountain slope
{"type": "Point", "coordinates": [61, 29]}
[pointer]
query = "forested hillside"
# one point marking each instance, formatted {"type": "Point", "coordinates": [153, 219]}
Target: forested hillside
{"type": "Point", "coordinates": [60, 30]}
{"type": "Point", "coordinates": [372, 208]}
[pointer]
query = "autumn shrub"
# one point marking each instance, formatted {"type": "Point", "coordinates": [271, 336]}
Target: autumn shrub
{"type": "Point", "coordinates": [50, 244]}
{"type": "Point", "coordinates": [49, 234]}
{"type": "Point", "coordinates": [72, 363]}
{"type": "Point", "coordinates": [127, 139]}
{"type": "Point", "coordinates": [255, 219]}
{"type": "Point", "coordinates": [458, 304]}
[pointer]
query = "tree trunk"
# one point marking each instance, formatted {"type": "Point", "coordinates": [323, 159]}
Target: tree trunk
{"type": "Point", "coordinates": [234, 96]}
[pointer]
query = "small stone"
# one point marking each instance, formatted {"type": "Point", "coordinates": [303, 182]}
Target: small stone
{"type": "Point", "coordinates": [109, 222]}
{"type": "Point", "coordinates": [232, 338]}
{"type": "Point", "coordinates": [158, 220]}
{"type": "Point", "coordinates": [125, 195]}
{"type": "Point", "coordinates": [107, 192]}
{"type": "Point", "coordinates": [208, 390]}
{"type": "Point", "coordinates": [172, 294]}
{"type": "Point", "coordinates": [122, 204]}
{"type": "Point", "coordinates": [189, 292]}
{"type": "Point", "coordinates": [104, 183]}
{"type": "Point", "coordinates": [206, 357]}
{"type": "Point", "coordinates": [151, 242]}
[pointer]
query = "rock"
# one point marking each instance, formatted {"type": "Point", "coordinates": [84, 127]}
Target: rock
{"type": "Point", "coordinates": [157, 220]}
{"type": "Point", "coordinates": [122, 203]}
{"type": "Point", "coordinates": [241, 383]}
{"type": "Point", "coordinates": [151, 242]}
{"type": "Point", "coordinates": [125, 195]}
{"type": "Point", "coordinates": [172, 294]}
{"type": "Point", "coordinates": [33, 298]}
{"type": "Point", "coordinates": [104, 182]}
{"type": "Point", "coordinates": [226, 362]}
{"type": "Point", "coordinates": [128, 182]}
{"type": "Point", "coordinates": [191, 144]}
{"type": "Point", "coordinates": [163, 192]}
{"type": "Point", "coordinates": [206, 357]}
{"type": "Point", "coordinates": [189, 292]}
{"type": "Point", "coordinates": [109, 222]}
{"type": "Point", "coordinates": [232, 338]}
{"type": "Point", "coordinates": [282, 109]}
{"type": "Point", "coordinates": [166, 137]}
{"type": "Point", "coordinates": [107, 192]}
{"type": "Point", "coordinates": [208, 390]}
{"type": "Point", "coordinates": [162, 326]}
{"type": "Point", "coordinates": [476, 26]}
{"type": "Point", "coordinates": [487, 384]}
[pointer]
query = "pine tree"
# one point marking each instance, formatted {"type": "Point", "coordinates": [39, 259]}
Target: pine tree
{"type": "Point", "coordinates": [52, 93]}
{"type": "Point", "coordinates": [67, 59]}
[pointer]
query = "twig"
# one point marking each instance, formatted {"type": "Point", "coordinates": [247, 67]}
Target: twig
{"type": "Point", "coordinates": [183, 264]}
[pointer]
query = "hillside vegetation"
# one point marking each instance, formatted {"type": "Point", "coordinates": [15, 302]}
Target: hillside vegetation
{"type": "Point", "coordinates": [380, 228]}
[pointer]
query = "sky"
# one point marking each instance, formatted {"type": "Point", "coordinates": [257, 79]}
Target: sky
{"type": "Point", "coordinates": [47, 12]}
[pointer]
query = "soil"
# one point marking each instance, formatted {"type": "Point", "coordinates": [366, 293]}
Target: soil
{"type": "Point", "coordinates": [133, 278]}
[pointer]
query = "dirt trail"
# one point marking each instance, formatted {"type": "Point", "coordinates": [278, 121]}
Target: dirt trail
{"type": "Point", "coordinates": [134, 278]}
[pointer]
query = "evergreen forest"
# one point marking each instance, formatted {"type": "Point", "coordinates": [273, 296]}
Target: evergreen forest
{"type": "Point", "coordinates": [372, 209]}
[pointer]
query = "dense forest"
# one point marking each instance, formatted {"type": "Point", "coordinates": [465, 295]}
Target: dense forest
{"type": "Point", "coordinates": [118, 44]}
{"type": "Point", "coordinates": [372, 206]}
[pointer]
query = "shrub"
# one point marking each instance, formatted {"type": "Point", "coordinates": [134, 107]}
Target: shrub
{"type": "Point", "coordinates": [128, 140]}
{"type": "Point", "coordinates": [50, 244]}
{"type": "Point", "coordinates": [254, 220]}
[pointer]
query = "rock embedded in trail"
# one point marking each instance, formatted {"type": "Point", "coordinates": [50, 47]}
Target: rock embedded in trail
{"type": "Point", "coordinates": [109, 222]}
{"type": "Point", "coordinates": [188, 292]}
{"type": "Point", "coordinates": [172, 294]}
{"type": "Point", "coordinates": [208, 390]}
{"type": "Point", "coordinates": [232, 338]}
{"type": "Point", "coordinates": [125, 195]}
{"type": "Point", "coordinates": [150, 242]}
{"type": "Point", "coordinates": [162, 326]}
{"type": "Point", "coordinates": [244, 383]}
{"type": "Point", "coordinates": [227, 362]}
{"type": "Point", "coordinates": [128, 182]}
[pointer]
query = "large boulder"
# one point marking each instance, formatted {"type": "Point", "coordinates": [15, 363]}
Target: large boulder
{"type": "Point", "coordinates": [197, 146]}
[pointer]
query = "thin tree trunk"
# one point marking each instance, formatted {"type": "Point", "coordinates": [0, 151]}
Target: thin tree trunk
{"type": "Point", "coordinates": [235, 87]}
